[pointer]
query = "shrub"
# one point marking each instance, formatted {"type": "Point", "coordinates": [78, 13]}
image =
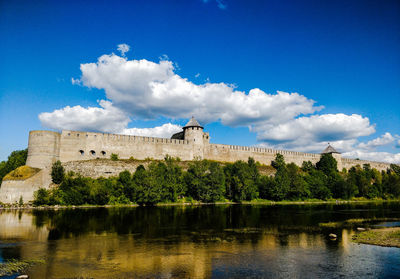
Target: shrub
{"type": "Point", "coordinates": [41, 197]}
{"type": "Point", "coordinates": [114, 157]}
{"type": "Point", "coordinates": [57, 173]}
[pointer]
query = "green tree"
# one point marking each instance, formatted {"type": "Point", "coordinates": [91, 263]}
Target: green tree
{"type": "Point", "coordinates": [57, 172]}
{"type": "Point", "coordinates": [147, 184]}
{"type": "Point", "coordinates": [307, 166]}
{"type": "Point", "coordinates": [75, 190]}
{"type": "Point", "coordinates": [99, 193]}
{"type": "Point", "coordinates": [41, 197]}
{"type": "Point", "coordinates": [298, 188]}
{"type": "Point", "coordinates": [240, 183]}
{"type": "Point", "coordinates": [317, 183]}
{"type": "Point", "coordinates": [279, 186]}
{"type": "Point", "coordinates": [205, 181]}
{"type": "Point", "coordinates": [327, 164]}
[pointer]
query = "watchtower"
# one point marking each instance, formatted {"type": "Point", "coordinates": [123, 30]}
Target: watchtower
{"type": "Point", "coordinates": [193, 132]}
{"type": "Point", "coordinates": [330, 150]}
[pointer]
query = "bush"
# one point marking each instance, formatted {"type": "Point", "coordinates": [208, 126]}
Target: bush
{"type": "Point", "coordinates": [114, 157]}
{"type": "Point", "coordinates": [57, 173]}
{"type": "Point", "coordinates": [41, 197]}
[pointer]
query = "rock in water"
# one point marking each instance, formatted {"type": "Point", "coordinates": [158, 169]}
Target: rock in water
{"type": "Point", "coordinates": [24, 276]}
{"type": "Point", "coordinates": [361, 229]}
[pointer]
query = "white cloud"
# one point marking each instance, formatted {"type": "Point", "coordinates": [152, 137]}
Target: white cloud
{"type": "Point", "coordinates": [313, 133]}
{"type": "Point", "coordinates": [164, 131]}
{"type": "Point", "coordinates": [105, 118]}
{"type": "Point", "coordinates": [374, 156]}
{"type": "Point", "coordinates": [398, 144]}
{"type": "Point", "coordinates": [383, 140]}
{"type": "Point", "coordinates": [147, 90]}
{"type": "Point", "coordinates": [123, 48]}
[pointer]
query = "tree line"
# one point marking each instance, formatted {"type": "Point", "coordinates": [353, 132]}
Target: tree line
{"type": "Point", "coordinates": [209, 181]}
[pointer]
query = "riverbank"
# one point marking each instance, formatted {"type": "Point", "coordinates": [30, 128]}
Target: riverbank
{"type": "Point", "coordinates": [197, 203]}
{"type": "Point", "coordinates": [389, 237]}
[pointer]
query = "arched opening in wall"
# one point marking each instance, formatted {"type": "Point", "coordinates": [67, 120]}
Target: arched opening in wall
{"type": "Point", "coordinates": [82, 152]}
{"type": "Point", "coordinates": [92, 152]}
{"type": "Point", "coordinates": [103, 153]}
{"type": "Point", "coordinates": [77, 135]}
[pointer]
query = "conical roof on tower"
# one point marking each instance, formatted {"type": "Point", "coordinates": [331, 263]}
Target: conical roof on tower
{"type": "Point", "coordinates": [329, 149]}
{"type": "Point", "coordinates": [192, 123]}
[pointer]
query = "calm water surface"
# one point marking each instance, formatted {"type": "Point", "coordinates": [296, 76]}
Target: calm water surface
{"type": "Point", "coordinates": [230, 241]}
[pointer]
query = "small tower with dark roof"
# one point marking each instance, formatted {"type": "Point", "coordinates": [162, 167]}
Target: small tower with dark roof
{"type": "Point", "coordinates": [330, 150]}
{"type": "Point", "coordinates": [335, 154]}
{"type": "Point", "coordinates": [193, 132]}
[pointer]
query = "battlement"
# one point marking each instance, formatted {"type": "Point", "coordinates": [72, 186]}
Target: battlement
{"type": "Point", "coordinates": [265, 150]}
{"type": "Point", "coordinates": [45, 147]}
{"type": "Point", "coordinates": [121, 138]}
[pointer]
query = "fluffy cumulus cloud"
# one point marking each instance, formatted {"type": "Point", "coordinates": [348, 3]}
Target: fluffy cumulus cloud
{"type": "Point", "coordinates": [385, 139]}
{"type": "Point", "coordinates": [316, 131]}
{"type": "Point", "coordinates": [148, 89]}
{"type": "Point", "coordinates": [374, 156]}
{"type": "Point", "coordinates": [105, 118]}
{"type": "Point", "coordinates": [163, 131]}
{"type": "Point", "coordinates": [145, 89]}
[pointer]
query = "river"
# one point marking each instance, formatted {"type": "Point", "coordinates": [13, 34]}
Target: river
{"type": "Point", "coordinates": [216, 241]}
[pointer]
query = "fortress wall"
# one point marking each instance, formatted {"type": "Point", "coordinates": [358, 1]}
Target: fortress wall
{"type": "Point", "coordinates": [43, 148]}
{"type": "Point", "coordinates": [380, 166]}
{"type": "Point", "coordinates": [85, 146]}
{"type": "Point", "coordinates": [232, 153]}
{"type": "Point", "coordinates": [12, 190]}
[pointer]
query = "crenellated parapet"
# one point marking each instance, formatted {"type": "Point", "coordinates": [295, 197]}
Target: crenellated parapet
{"type": "Point", "coordinates": [45, 147]}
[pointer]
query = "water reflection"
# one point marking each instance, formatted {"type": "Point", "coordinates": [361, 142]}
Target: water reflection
{"type": "Point", "coordinates": [196, 242]}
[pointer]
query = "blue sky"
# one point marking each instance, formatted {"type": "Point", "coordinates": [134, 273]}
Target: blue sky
{"type": "Point", "coordinates": [224, 62]}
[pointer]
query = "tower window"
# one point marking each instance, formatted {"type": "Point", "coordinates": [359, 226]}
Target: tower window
{"type": "Point", "coordinates": [92, 152]}
{"type": "Point", "coordinates": [82, 152]}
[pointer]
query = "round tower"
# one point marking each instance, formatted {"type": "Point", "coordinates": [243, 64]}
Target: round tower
{"type": "Point", "coordinates": [43, 149]}
{"type": "Point", "coordinates": [193, 132]}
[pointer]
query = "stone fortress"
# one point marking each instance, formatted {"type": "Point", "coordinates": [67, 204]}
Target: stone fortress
{"type": "Point", "coordinates": [73, 147]}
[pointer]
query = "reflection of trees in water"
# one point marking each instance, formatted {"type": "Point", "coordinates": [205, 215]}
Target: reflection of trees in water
{"type": "Point", "coordinates": [201, 223]}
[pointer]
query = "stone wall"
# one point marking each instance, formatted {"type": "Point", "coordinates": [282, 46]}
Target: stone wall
{"type": "Point", "coordinates": [85, 146]}
{"type": "Point", "coordinates": [102, 168]}
{"type": "Point", "coordinates": [12, 190]}
{"type": "Point", "coordinates": [348, 163]}
{"type": "Point", "coordinates": [232, 153]}
{"type": "Point", "coordinates": [45, 147]}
